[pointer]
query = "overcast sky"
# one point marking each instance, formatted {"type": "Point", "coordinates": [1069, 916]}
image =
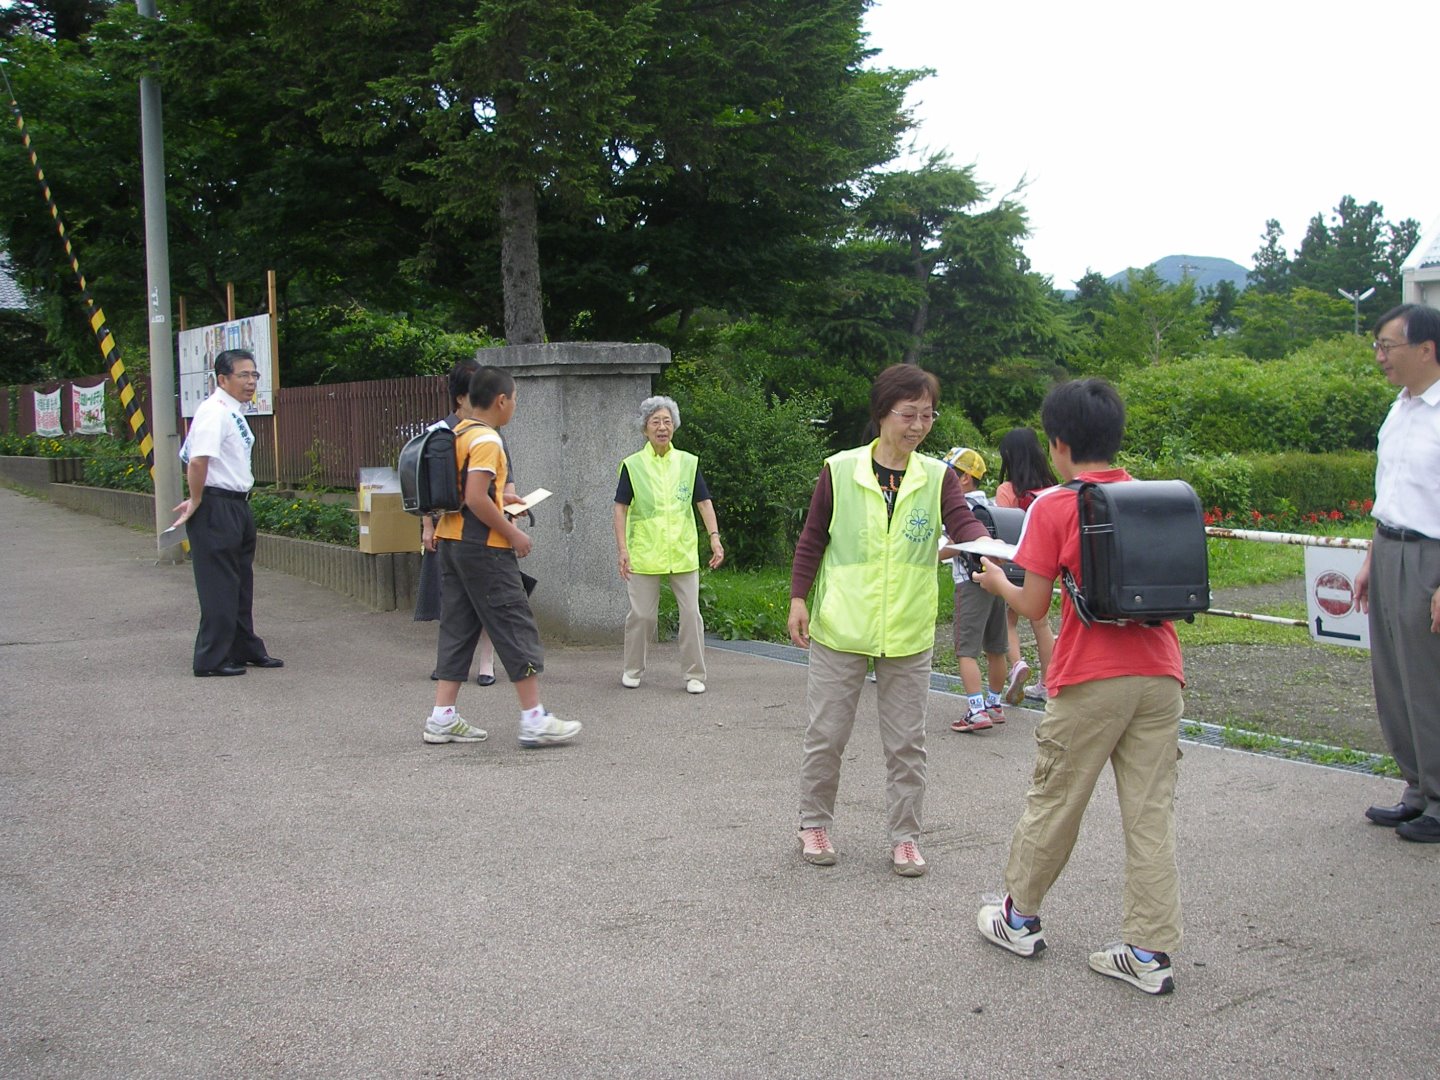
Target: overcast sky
{"type": "Point", "coordinates": [1154, 129]}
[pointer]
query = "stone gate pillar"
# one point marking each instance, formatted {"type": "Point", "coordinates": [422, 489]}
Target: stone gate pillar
{"type": "Point", "coordinates": [576, 407]}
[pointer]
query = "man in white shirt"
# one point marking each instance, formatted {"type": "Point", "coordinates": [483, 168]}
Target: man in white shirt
{"type": "Point", "coordinates": [218, 522]}
{"type": "Point", "coordinates": [1400, 582]}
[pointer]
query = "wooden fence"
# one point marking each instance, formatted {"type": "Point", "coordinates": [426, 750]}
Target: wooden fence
{"type": "Point", "coordinates": [327, 433]}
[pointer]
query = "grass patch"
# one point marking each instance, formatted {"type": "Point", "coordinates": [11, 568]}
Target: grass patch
{"type": "Point", "coordinates": [1318, 753]}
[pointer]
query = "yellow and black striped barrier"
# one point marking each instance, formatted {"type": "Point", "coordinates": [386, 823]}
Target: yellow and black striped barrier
{"type": "Point", "coordinates": [109, 347]}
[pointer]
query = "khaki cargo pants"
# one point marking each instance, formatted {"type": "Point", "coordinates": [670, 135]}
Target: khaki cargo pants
{"type": "Point", "coordinates": [1133, 722]}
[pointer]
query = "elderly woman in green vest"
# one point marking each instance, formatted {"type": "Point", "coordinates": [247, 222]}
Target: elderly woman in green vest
{"type": "Point", "coordinates": [868, 549]}
{"type": "Point", "coordinates": [660, 488]}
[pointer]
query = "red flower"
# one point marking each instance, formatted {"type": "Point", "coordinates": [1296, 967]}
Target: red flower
{"type": "Point", "coordinates": [1367, 505]}
{"type": "Point", "coordinates": [1335, 515]}
{"type": "Point", "coordinates": [1255, 515]}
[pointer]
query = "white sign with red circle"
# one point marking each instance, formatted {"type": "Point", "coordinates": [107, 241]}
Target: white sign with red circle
{"type": "Point", "coordinates": [1330, 607]}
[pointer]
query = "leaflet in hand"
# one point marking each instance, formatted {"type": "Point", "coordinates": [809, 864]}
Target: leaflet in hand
{"type": "Point", "coordinates": [535, 497]}
{"type": "Point", "coordinates": [989, 547]}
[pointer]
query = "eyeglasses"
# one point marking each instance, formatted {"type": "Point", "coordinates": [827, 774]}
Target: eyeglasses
{"type": "Point", "coordinates": [911, 417]}
{"type": "Point", "coordinates": [1387, 346]}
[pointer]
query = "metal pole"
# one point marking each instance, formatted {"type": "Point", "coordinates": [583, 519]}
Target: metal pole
{"type": "Point", "coordinates": [157, 273]}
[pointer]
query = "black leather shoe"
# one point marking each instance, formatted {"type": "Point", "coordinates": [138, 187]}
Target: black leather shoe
{"type": "Point", "coordinates": [1392, 815]}
{"type": "Point", "coordinates": [484, 680]}
{"type": "Point", "coordinates": [223, 669]}
{"type": "Point", "coordinates": [266, 661]}
{"type": "Point", "coordinates": [1422, 830]}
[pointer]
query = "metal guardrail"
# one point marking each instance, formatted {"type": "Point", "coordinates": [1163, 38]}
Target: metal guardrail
{"type": "Point", "coordinates": [1298, 539]}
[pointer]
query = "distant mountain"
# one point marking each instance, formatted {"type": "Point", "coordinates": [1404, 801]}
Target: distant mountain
{"type": "Point", "coordinates": [1205, 271]}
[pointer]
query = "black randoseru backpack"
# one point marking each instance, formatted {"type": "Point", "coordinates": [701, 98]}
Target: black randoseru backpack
{"type": "Point", "coordinates": [1143, 556]}
{"type": "Point", "coordinates": [1003, 523]}
{"type": "Point", "coordinates": [429, 477]}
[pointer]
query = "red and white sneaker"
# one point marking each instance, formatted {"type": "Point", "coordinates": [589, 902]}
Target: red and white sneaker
{"type": "Point", "coordinates": [972, 721]}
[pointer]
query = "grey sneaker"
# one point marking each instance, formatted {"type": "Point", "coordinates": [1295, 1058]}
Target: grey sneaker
{"type": "Point", "coordinates": [457, 731]}
{"type": "Point", "coordinates": [550, 731]}
{"type": "Point", "coordinates": [994, 927]}
{"type": "Point", "coordinates": [1037, 693]}
{"type": "Point", "coordinates": [1119, 961]}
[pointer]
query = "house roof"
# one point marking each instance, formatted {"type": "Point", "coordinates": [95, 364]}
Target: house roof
{"type": "Point", "coordinates": [1426, 255]}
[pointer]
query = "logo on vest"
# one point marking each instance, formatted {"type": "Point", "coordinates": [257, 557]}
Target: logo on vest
{"type": "Point", "coordinates": [682, 492]}
{"type": "Point", "coordinates": [919, 529]}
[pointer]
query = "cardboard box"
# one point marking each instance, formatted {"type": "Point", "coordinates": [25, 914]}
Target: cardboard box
{"type": "Point", "coordinates": [385, 527]}
{"type": "Point", "coordinates": [374, 482]}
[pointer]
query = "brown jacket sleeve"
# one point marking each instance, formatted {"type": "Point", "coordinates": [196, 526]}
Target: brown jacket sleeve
{"type": "Point", "coordinates": [814, 537]}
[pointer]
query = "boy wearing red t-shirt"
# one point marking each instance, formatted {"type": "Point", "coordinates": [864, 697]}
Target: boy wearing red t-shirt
{"type": "Point", "coordinates": [1114, 697]}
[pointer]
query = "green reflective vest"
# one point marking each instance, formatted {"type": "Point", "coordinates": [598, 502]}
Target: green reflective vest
{"type": "Point", "coordinates": [660, 527]}
{"type": "Point", "coordinates": [876, 591]}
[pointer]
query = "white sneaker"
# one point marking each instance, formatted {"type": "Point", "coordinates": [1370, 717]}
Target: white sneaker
{"type": "Point", "coordinates": [1014, 691]}
{"type": "Point", "coordinates": [630, 682]}
{"type": "Point", "coordinates": [548, 732]}
{"type": "Point", "coordinates": [694, 686]}
{"type": "Point", "coordinates": [456, 731]}
{"type": "Point", "coordinates": [1037, 693]}
{"type": "Point", "coordinates": [1119, 961]}
{"type": "Point", "coordinates": [994, 925]}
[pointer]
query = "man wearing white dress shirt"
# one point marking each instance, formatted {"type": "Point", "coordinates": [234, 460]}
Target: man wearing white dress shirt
{"type": "Point", "coordinates": [1400, 581]}
{"type": "Point", "coordinates": [218, 522]}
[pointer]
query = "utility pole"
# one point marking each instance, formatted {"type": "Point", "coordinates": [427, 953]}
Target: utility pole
{"type": "Point", "coordinates": [1355, 299]}
{"type": "Point", "coordinates": [157, 274]}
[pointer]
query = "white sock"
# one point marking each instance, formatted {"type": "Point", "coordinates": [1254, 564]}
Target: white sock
{"type": "Point", "coordinates": [991, 698]}
{"type": "Point", "coordinates": [977, 702]}
{"type": "Point", "coordinates": [532, 717]}
{"type": "Point", "coordinates": [441, 715]}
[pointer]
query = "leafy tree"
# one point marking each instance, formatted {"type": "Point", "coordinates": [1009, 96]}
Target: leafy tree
{"type": "Point", "coordinates": [1093, 295]}
{"type": "Point", "coordinates": [1272, 262]}
{"type": "Point", "coordinates": [1220, 303]}
{"type": "Point", "coordinates": [1272, 325]}
{"type": "Point", "coordinates": [58, 20]}
{"type": "Point", "coordinates": [1148, 323]}
{"type": "Point", "coordinates": [1355, 250]}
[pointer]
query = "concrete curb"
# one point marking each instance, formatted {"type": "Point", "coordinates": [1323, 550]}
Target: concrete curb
{"type": "Point", "coordinates": [380, 582]}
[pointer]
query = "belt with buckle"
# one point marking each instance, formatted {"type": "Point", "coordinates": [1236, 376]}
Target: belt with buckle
{"type": "Point", "coordinates": [226, 493]}
{"type": "Point", "coordinates": [1392, 533]}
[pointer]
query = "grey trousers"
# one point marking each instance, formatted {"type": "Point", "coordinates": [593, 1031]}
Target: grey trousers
{"type": "Point", "coordinates": [832, 695]}
{"type": "Point", "coordinates": [1405, 662]}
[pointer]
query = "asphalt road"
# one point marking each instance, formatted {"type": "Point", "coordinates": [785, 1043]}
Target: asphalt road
{"type": "Point", "coordinates": [272, 876]}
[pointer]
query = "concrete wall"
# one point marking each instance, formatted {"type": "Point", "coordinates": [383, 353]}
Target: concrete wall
{"type": "Point", "coordinates": [38, 473]}
{"type": "Point", "coordinates": [576, 418]}
{"type": "Point", "coordinates": [380, 582]}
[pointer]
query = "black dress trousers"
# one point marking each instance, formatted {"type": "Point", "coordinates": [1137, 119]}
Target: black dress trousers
{"type": "Point", "coordinates": [222, 552]}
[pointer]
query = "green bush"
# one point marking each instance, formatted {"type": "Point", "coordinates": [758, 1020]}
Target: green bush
{"type": "Point", "coordinates": [1325, 397]}
{"type": "Point", "coordinates": [760, 457]}
{"type": "Point", "coordinates": [354, 344]}
{"type": "Point", "coordinates": [114, 464]}
{"type": "Point", "coordinates": [1313, 483]}
{"type": "Point", "coordinates": [46, 446]}
{"type": "Point", "coordinates": [306, 519]}
{"type": "Point", "coordinates": [952, 428]}
{"type": "Point", "coordinates": [1291, 485]}
{"type": "Point", "coordinates": [1223, 480]}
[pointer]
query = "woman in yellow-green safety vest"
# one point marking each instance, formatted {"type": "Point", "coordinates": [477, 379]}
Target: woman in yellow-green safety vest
{"type": "Point", "coordinates": [869, 551]}
{"type": "Point", "coordinates": [659, 491]}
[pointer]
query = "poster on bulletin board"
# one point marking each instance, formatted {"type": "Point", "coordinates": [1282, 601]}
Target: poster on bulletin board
{"type": "Point", "coordinates": [198, 349]}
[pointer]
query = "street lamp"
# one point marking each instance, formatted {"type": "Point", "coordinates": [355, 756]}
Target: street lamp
{"type": "Point", "coordinates": [1355, 298]}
